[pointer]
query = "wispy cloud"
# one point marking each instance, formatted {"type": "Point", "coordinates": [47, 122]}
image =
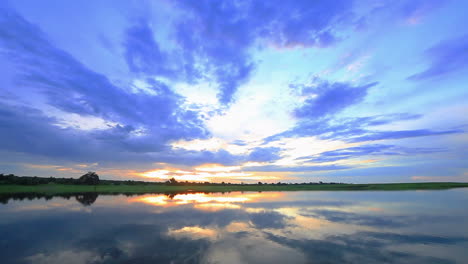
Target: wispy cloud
{"type": "Point", "coordinates": [446, 57]}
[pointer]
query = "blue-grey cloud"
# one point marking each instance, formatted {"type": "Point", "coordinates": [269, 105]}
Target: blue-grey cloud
{"type": "Point", "coordinates": [142, 52]}
{"type": "Point", "coordinates": [266, 154]}
{"type": "Point", "coordinates": [446, 57]}
{"type": "Point", "coordinates": [358, 129]}
{"type": "Point", "coordinates": [378, 135]}
{"type": "Point", "coordinates": [271, 168]}
{"type": "Point", "coordinates": [268, 219]}
{"type": "Point", "coordinates": [70, 86]}
{"type": "Point", "coordinates": [28, 130]}
{"type": "Point", "coordinates": [373, 220]}
{"type": "Point", "coordinates": [329, 98]}
{"type": "Point", "coordinates": [239, 142]}
{"type": "Point", "coordinates": [395, 238]}
{"type": "Point", "coordinates": [217, 35]}
{"type": "Point", "coordinates": [22, 127]}
{"type": "Point", "coordinates": [316, 116]}
{"type": "Point", "coordinates": [366, 150]}
{"type": "Point", "coordinates": [367, 247]}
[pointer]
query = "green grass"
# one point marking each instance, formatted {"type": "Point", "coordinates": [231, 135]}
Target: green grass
{"type": "Point", "coordinates": [59, 188]}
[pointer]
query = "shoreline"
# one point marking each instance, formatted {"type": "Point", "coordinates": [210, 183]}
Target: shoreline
{"type": "Point", "coordinates": [135, 189]}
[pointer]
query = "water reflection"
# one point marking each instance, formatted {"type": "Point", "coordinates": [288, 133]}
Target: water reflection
{"type": "Point", "coordinates": [86, 199]}
{"type": "Point", "coordinates": [211, 201]}
{"type": "Point", "coordinates": [268, 227]}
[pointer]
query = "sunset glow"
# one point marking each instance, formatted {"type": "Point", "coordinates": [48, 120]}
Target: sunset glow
{"type": "Point", "coordinates": [239, 92]}
{"type": "Point", "coordinates": [233, 131]}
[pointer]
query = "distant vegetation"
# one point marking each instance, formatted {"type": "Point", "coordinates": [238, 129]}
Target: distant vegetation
{"type": "Point", "coordinates": [90, 182]}
{"type": "Point", "coordinates": [91, 178]}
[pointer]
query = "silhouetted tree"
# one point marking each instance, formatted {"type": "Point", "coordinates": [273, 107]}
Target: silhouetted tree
{"type": "Point", "coordinates": [172, 181]}
{"type": "Point", "coordinates": [90, 178]}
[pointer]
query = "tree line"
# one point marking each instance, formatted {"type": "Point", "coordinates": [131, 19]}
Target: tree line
{"type": "Point", "coordinates": [91, 178]}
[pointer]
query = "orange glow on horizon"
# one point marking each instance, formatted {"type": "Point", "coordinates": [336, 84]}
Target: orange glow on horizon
{"type": "Point", "coordinates": [206, 173]}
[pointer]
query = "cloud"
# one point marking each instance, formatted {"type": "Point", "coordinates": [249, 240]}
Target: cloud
{"type": "Point", "coordinates": [193, 158]}
{"type": "Point", "coordinates": [357, 129]}
{"type": "Point", "coordinates": [391, 221]}
{"type": "Point", "coordinates": [267, 154]}
{"type": "Point", "coordinates": [73, 88]}
{"type": "Point", "coordinates": [23, 126]}
{"type": "Point", "coordinates": [271, 168]}
{"type": "Point", "coordinates": [144, 122]}
{"type": "Point", "coordinates": [330, 98]}
{"type": "Point", "coordinates": [414, 11]}
{"type": "Point", "coordinates": [268, 219]}
{"type": "Point", "coordinates": [69, 256]}
{"type": "Point", "coordinates": [403, 12]}
{"type": "Point", "coordinates": [377, 135]}
{"type": "Point", "coordinates": [446, 57]}
{"type": "Point", "coordinates": [367, 247]}
{"type": "Point", "coordinates": [239, 142]}
{"type": "Point", "coordinates": [217, 36]}
{"type": "Point", "coordinates": [366, 150]}
{"type": "Point", "coordinates": [403, 171]}
{"type": "Point", "coordinates": [395, 238]}
{"type": "Point", "coordinates": [142, 52]}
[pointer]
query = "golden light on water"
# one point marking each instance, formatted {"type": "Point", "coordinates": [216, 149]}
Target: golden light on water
{"type": "Point", "coordinates": [154, 200]}
{"type": "Point", "coordinates": [193, 232]}
{"type": "Point", "coordinates": [206, 201]}
{"type": "Point", "coordinates": [205, 198]}
{"type": "Point", "coordinates": [217, 206]}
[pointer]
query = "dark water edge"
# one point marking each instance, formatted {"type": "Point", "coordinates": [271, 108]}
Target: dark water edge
{"type": "Point", "coordinates": [237, 227]}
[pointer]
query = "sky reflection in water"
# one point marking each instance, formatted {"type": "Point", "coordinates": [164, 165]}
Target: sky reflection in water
{"type": "Point", "coordinates": [268, 227]}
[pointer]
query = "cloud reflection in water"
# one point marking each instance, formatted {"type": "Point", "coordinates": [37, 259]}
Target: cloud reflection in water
{"type": "Point", "coordinates": [267, 227]}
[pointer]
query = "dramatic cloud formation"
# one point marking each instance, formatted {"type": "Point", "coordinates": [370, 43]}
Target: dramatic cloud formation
{"type": "Point", "coordinates": [234, 90]}
{"type": "Point", "coordinates": [232, 28]}
{"type": "Point", "coordinates": [145, 121]}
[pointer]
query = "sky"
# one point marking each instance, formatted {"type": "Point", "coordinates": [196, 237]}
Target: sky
{"type": "Point", "coordinates": [235, 91]}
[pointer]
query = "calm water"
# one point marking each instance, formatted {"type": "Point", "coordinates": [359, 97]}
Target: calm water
{"type": "Point", "coordinates": [268, 227]}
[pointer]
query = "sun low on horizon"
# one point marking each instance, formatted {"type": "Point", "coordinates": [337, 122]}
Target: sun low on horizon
{"type": "Point", "coordinates": [235, 91]}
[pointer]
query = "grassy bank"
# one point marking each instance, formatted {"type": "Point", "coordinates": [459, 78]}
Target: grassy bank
{"type": "Point", "coordinates": [61, 188]}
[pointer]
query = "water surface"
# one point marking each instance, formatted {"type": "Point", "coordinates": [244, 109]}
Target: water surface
{"type": "Point", "coordinates": [250, 227]}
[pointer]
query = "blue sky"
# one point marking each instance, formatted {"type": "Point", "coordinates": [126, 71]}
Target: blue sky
{"type": "Point", "coordinates": [239, 91]}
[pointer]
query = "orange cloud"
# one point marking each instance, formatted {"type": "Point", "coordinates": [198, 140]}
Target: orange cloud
{"type": "Point", "coordinates": [207, 172]}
